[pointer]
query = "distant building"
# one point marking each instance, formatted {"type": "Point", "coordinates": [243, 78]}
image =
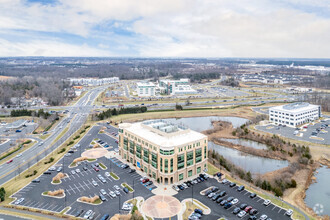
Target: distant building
{"type": "Point", "coordinates": [93, 81]}
{"type": "Point", "coordinates": [146, 89]}
{"type": "Point", "coordinates": [172, 87]}
{"type": "Point", "coordinates": [294, 114]}
{"type": "Point", "coordinates": [166, 152]}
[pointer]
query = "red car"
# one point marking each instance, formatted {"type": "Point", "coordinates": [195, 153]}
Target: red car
{"type": "Point", "coordinates": [117, 142]}
{"type": "Point", "coordinates": [145, 180]}
{"type": "Point", "coordinates": [247, 209]}
{"type": "Point", "coordinates": [96, 169]}
{"type": "Point", "coordinates": [9, 161]}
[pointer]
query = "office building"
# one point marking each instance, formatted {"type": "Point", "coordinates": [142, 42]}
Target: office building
{"type": "Point", "coordinates": [145, 89]}
{"type": "Point", "coordinates": [294, 114]}
{"type": "Point", "coordinates": [172, 87]}
{"type": "Point", "coordinates": [166, 152]}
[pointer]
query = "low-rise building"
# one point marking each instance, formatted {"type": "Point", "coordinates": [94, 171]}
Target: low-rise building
{"type": "Point", "coordinates": [166, 152]}
{"type": "Point", "coordinates": [294, 114]}
{"type": "Point", "coordinates": [172, 87]}
{"type": "Point", "coordinates": [145, 89]}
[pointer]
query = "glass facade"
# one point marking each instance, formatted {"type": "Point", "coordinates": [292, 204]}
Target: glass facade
{"type": "Point", "coordinates": [190, 158]}
{"type": "Point", "coordinates": [180, 161]}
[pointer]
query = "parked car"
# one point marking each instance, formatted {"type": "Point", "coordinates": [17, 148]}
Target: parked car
{"type": "Point", "coordinates": [263, 217]}
{"type": "Point", "coordinates": [240, 188]}
{"type": "Point", "coordinates": [105, 217]}
{"type": "Point", "coordinates": [103, 192]}
{"type": "Point", "coordinates": [79, 212]}
{"type": "Point", "coordinates": [125, 189]}
{"type": "Point", "coordinates": [232, 184]}
{"type": "Point", "coordinates": [267, 202]}
{"type": "Point", "coordinates": [88, 214]}
{"type": "Point", "coordinates": [236, 210]}
{"type": "Point", "coordinates": [241, 214]}
{"type": "Point", "coordinates": [253, 195]}
{"type": "Point", "coordinates": [289, 212]}
{"type": "Point", "coordinates": [229, 199]}
{"type": "Point", "coordinates": [35, 181]}
{"type": "Point", "coordinates": [248, 208]}
{"type": "Point", "coordinates": [235, 201]}
{"type": "Point", "coordinates": [253, 211]}
{"type": "Point", "coordinates": [102, 197]}
{"type": "Point", "coordinates": [59, 169]}
{"type": "Point", "coordinates": [94, 183]}
{"type": "Point", "coordinates": [199, 211]}
{"type": "Point", "coordinates": [227, 205]}
{"type": "Point", "coordinates": [243, 206]}
{"type": "Point", "coordinates": [223, 202]}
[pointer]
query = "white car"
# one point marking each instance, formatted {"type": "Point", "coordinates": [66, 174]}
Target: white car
{"type": "Point", "coordinates": [94, 183]}
{"type": "Point", "coordinates": [289, 212]}
{"type": "Point", "coordinates": [107, 174]}
{"type": "Point", "coordinates": [224, 181]}
{"type": "Point", "coordinates": [87, 214]}
{"type": "Point", "coordinates": [73, 172]}
{"type": "Point", "coordinates": [116, 187]}
{"type": "Point", "coordinates": [18, 155]}
{"type": "Point", "coordinates": [52, 169]}
{"type": "Point", "coordinates": [117, 193]}
{"type": "Point", "coordinates": [17, 202]}
{"type": "Point", "coordinates": [112, 194]}
{"type": "Point", "coordinates": [235, 201]}
{"type": "Point", "coordinates": [77, 170]}
{"type": "Point", "coordinates": [263, 217]}
{"type": "Point", "coordinates": [103, 191]}
{"type": "Point", "coordinates": [267, 202]}
{"type": "Point", "coordinates": [241, 214]}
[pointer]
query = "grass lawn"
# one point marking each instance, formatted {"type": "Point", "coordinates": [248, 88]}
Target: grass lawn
{"type": "Point", "coordinates": [201, 204]}
{"type": "Point", "coordinates": [127, 186]}
{"type": "Point", "coordinates": [43, 137]}
{"type": "Point", "coordinates": [56, 181]}
{"type": "Point", "coordinates": [45, 193]}
{"type": "Point", "coordinates": [114, 176]}
{"type": "Point", "coordinates": [91, 160]}
{"type": "Point", "coordinates": [211, 169]}
{"type": "Point", "coordinates": [102, 166]}
{"type": "Point", "coordinates": [73, 164]}
{"type": "Point", "coordinates": [98, 201]}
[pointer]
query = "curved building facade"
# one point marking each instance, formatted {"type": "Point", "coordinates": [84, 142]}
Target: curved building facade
{"type": "Point", "coordinates": [166, 152]}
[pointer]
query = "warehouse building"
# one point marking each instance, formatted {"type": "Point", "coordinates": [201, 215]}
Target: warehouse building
{"type": "Point", "coordinates": [294, 114]}
{"type": "Point", "coordinates": [166, 152]}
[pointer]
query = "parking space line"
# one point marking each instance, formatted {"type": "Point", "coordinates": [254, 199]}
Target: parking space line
{"type": "Point", "coordinates": [81, 186]}
{"type": "Point", "coordinates": [59, 209]}
{"type": "Point", "coordinates": [54, 208]}
{"type": "Point", "coordinates": [73, 177]}
{"type": "Point", "coordinates": [35, 205]}
{"type": "Point", "coordinates": [72, 189]}
{"type": "Point", "coordinates": [279, 211]}
{"type": "Point", "coordinates": [259, 199]}
{"type": "Point", "coordinates": [77, 187]}
{"type": "Point", "coordinates": [44, 207]}
{"type": "Point", "coordinates": [274, 207]}
{"type": "Point", "coordinates": [41, 204]}
{"type": "Point", "coordinates": [82, 174]}
{"type": "Point", "coordinates": [246, 193]}
{"type": "Point", "coordinates": [86, 185]}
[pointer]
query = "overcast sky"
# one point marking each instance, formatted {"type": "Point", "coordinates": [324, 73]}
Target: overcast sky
{"type": "Point", "coordinates": [166, 28]}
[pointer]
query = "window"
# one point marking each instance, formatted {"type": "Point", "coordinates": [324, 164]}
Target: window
{"type": "Point", "coordinates": [154, 160]}
{"type": "Point", "coordinates": [190, 158]}
{"type": "Point", "coordinates": [199, 169]}
{"type": "Point", "coordinates": [171, 168]}
{"type": "Point", "coordinates": [181, 176]}
{"type": "Point", "coordinates": [166, 165]}
{"type": "Point", "coordinates": [189, 173]}
{"type": "Point", "coordinates": [180, 161]}
{"type": "Point", "coordinates": [198, 155]}
{"type": "Point", "coordinates": [166, 152]}
{"type": "Point", "coordinates": [205, 152]}
{"type": "Point", "coordinates": [161, 164]}
{"type": "Point", "coordinates": [145, 155]}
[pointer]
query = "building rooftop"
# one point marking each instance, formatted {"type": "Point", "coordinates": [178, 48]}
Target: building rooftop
{"type": "Point", "coordinates": [163, 133]}
{"type": "Point", "coordinates": [145, 84]}
{"type": "Point", "coordinates": [297, 106]}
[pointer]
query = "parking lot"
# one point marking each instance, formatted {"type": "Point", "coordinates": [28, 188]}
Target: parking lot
{"type": "Point", "coordinates": [82, 183]}
{"type": "Point", "coordinates": [306, 132]}
{"type": "Point", "coordinates": [272, 211]}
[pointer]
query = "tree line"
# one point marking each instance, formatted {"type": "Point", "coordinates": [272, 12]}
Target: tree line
{"type": "Point", "coordinates": [111, 112]}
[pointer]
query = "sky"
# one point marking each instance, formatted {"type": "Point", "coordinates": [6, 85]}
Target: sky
{"type": "Point", "coordinates": [165, 28]}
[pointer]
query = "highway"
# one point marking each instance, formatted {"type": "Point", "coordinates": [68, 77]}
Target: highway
{"type": "Point", "coordinates": [77, 117]}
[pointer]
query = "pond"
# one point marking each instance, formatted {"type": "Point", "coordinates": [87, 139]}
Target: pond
{"type": "Point", "coordinates": [204, 123]}
{"type": "Point", "coordinates": [248, 162]}
{"type": "Point", "coordinates": [247, 143]}
{"type": "Point", "coordinates": [318, 194]}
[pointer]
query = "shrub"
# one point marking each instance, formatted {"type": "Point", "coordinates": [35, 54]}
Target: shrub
{"type": "Point", "coordinates": [70, 143]}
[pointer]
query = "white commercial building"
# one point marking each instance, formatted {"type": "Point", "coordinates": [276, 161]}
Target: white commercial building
{"type": "Point", "coordinates": [172, 87]}
{"type": "Point", "coordinates": [145, 89]}
{"type": "Point", "coordinates": [93, 81]}
{"type": "Point", "coordinates": [294, 114]}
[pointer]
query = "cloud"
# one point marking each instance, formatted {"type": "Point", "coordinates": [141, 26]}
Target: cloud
{"type": "Point", "coordinates": [198, 28]}
{"type": "Point", "coordinates": [49, 48]}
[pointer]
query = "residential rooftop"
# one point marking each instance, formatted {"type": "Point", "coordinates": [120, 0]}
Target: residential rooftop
{"type": "Point", "coordinates": [297, 106]}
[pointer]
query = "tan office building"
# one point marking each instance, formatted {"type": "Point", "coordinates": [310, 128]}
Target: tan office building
{"type": "Point", "coordinates": [166, 152]}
